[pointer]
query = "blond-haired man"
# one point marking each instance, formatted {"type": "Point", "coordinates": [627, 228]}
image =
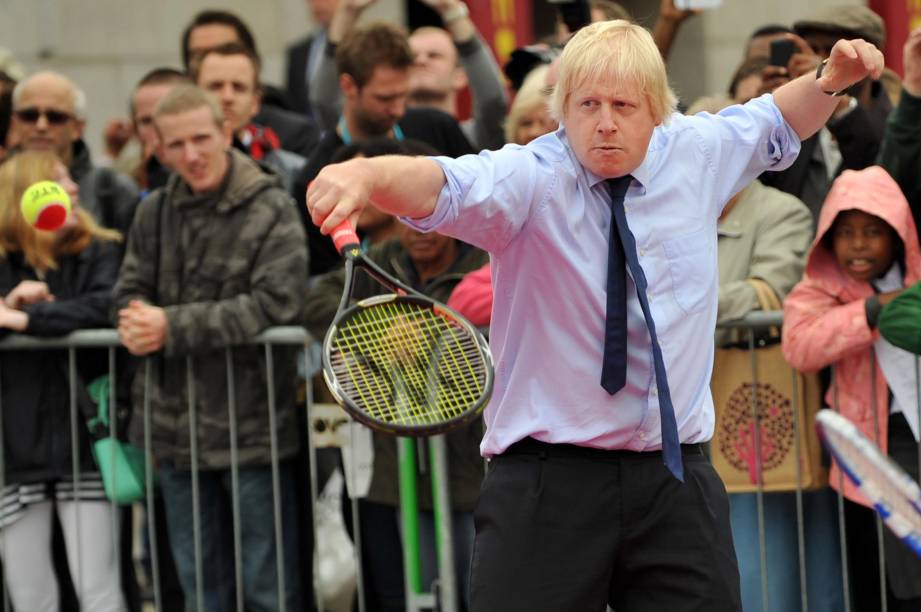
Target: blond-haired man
{"type": "Point", "coordinates": [603, 244]}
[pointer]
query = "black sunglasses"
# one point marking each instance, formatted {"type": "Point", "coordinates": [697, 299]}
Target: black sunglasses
{"type": "Point", "coordinates": [31, 115]}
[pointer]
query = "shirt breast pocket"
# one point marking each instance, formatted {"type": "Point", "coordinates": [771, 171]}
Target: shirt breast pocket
{"type": "Point", "coordinates": [692, 266]}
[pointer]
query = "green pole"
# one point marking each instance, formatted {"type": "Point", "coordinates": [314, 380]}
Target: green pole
{"type": "Point", "coordinates": [409, 515]}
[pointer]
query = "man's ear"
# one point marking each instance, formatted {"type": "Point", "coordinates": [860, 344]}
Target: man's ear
{"type": "Point", "coordinates": [459, 78]}
{"type": "Point", "coordinates": [257, 104]}
{"type": "Point", "coordinates": [76, 129]}
{"type": "Point", "coordinates": [348, 85]}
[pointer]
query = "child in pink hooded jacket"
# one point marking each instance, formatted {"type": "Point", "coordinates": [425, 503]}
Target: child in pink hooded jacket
{"type": "Point", "coordinates": [865, 252]}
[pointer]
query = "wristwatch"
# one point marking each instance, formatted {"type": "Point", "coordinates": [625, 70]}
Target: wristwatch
{"type": "Point", "coordinates": [818, 75]}
{"type": "Point", "coordinates": [459, 11]}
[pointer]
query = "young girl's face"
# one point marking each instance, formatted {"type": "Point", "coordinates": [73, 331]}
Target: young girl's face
{"type": "Point", "coordinates": [864, 244]}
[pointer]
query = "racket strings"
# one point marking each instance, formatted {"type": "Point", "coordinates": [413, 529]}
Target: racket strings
{"type": "Point", "coordinates": [894, 494]}
{"type": "Point", "coordinates": [403, 363]}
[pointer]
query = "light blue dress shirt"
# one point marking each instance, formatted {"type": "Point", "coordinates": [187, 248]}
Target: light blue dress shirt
{"type": "Point", "coordinates": [544, 218]}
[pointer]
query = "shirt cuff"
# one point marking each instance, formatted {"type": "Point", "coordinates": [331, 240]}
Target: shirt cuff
{"type": "Point", "coordinates": [468, 47]}
{"type": "Point", "coordinates": [783, 142]}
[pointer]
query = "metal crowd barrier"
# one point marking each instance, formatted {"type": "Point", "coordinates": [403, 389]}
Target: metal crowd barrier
{"type": "Point", "coordinates": [294, 336]}
{"type": "Point", "coordinates": [108, 339]}
{"type": "Point", "coordinates": [279, 336]}
{"type": "Point", "coordinates": [753, 323]}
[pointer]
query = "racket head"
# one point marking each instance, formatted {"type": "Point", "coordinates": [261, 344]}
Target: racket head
{"type": "Point", "coordinates": [892, 492]}
{"type": "Point", "coordinates": [407, 365]}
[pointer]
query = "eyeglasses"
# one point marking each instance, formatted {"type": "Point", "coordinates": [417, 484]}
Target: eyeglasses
{"type": "Point", "coordinates": [31, 115]}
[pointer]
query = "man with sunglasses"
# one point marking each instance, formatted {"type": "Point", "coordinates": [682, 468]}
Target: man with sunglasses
{"type": "Point", "coordinates": [48, 115]}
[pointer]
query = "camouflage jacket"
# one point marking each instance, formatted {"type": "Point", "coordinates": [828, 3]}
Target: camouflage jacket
{"type": "Point", "coordinates": [224, 267]}
{"type": "Point", "coordinates": [465, 465]}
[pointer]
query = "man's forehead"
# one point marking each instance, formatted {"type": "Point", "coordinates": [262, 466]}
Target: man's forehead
{"type": "Point", "coordinates": [186, 124]}
{"type": "Point", "coordinates": [388, 77]}
{"type": "Point", "coordinates": [608, 86]}
{"type": "Point", "coordinates": [431, 40]}
{"type": "Point", "coordinates": [219, 66]}
{"type": "Point", "coordinates": [146, 97]}
{"type": "Point", "coordinates": [54, 93]}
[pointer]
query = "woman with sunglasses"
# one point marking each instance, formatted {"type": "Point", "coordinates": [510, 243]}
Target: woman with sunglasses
{"type": "Point", "coordinates": [52, 283]}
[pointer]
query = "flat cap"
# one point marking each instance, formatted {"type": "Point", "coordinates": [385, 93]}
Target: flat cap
{"type": "Point", "coordinates": [849, 20]}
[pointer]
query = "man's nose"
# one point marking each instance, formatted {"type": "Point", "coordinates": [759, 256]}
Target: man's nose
{"type": "Point", "coordinates": [606, 122]}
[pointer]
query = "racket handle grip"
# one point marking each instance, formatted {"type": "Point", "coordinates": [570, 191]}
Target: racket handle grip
{"type": "Point", "coordinates": [344, 236]}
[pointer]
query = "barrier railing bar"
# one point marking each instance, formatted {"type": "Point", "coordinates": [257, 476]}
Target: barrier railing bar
{"type": "Point", "coordinates": [234, 481]}
{"type": "Point", "coordinates": [196, 500]}
{"type": "Point", "coordinates": [276, 479]}
{"type": "Point", "coordinates": [149, 484]}
{"type": "Point", "coordinates": [94, 338]}
{"type": "Point", "coordinates": [759, 484]}
{"type": "Point", "coordinates": [75, 422]}
{"type": "Point", "coordinates": [312, 460]}
{"type": "Point", "coordinates": [800, 513]}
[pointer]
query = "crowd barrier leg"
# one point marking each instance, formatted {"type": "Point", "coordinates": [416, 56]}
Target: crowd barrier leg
{"type": "Point", "coordinates": [234, 482]}
{"type": "Point", "coordinates": [151, 504]}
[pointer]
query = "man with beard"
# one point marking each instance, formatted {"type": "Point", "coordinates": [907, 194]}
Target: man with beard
{"type": "Point", "coordinates": [373, 63]}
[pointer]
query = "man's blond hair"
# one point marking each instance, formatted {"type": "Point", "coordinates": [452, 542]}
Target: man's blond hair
{"type": "Point", "coordinates": [185, 98]}
{"type": "Point", "coordinates": [614, 52]}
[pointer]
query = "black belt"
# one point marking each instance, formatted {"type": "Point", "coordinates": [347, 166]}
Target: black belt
{"type": "Point", "coordinates": [530, 446]}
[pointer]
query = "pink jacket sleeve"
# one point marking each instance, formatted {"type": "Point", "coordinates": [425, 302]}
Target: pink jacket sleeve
{"type": "Point", "coordinates": [819, 331]}
{"type": "Point", "coordinates": [472, 297]}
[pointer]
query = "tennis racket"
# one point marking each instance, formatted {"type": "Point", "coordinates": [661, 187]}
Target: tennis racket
{"type": "Point", "coordinates": [400, 362]}
{"type": "Point", "coordinates": [894, 494]}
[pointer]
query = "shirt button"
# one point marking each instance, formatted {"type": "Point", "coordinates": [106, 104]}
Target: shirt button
{"type": "Point", "coordinates": [642, 252]}
{"type": "Point", "coordinates": [655, 392]}
{"type": "Point", "coordinates": [642, 436]}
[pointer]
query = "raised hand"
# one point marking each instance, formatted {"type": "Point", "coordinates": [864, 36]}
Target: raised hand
{"type": "Point", "coordinates": [850, 62]}
{"type": "Point", "coordinates": [668, 10]}
{"type": "Point", "coordinates": [116, 135]}
{"type": "Point", "coordinates": [911, 62]}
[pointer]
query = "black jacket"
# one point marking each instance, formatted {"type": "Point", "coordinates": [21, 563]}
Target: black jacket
{"type": "Point", "coordinates": [297, 133]}
{"type": "Point", "coordinates": [296, 85]}
{"type": "Point", "coordinates": [109, 196]}
{"type": "Point", "coordinates": [35, 388]}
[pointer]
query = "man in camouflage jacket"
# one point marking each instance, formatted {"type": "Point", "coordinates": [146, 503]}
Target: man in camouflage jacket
{"type": "Point", "coordinates": [214, 258]}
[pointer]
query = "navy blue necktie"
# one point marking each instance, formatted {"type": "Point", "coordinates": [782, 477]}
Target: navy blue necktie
{"type": "Point", "coordinates": [622, 254]}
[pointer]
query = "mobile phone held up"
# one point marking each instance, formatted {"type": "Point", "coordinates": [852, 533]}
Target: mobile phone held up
{"type": "Point", "coordinates": [686, 5]}
{"type": "Point", "coordinates": [781, 52]}
{"type": "Point", "coordinates": [576, 14]}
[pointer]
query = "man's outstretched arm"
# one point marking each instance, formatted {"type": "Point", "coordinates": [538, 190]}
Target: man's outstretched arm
{"type": "Point", "coordinates": [804, 103]}
{"type": "Point", "coordinates": [397, 184]}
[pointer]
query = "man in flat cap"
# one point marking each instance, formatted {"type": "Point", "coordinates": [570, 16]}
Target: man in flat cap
{"type": "Point", "coordinates": [852, 137]}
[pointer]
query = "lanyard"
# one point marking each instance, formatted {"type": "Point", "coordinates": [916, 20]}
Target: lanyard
{"type": "Point", "coordinates": [347, 138]}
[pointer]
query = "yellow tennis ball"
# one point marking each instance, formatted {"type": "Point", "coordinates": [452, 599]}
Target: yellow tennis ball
{"type": "Point", "coordinates": [45, 205]}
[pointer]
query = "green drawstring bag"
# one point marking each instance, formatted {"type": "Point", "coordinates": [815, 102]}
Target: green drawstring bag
{"type": "Point", "coordinates": [121, 464]}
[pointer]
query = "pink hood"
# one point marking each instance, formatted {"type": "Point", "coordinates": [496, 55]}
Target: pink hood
{"type": "Point", "coordinates": [872, 191]}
